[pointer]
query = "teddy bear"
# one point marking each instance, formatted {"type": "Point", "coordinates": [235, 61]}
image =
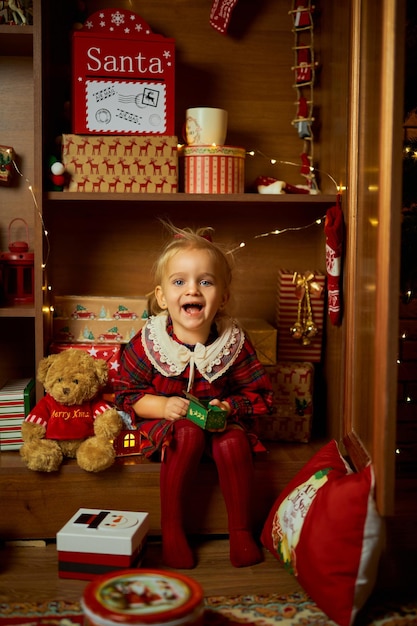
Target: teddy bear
{"type": "Point", "coordinates": [71, 420]}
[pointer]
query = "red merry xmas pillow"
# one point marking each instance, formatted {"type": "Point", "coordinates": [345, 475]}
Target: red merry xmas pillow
{"type": "Point", "coordinates": [325, 529]}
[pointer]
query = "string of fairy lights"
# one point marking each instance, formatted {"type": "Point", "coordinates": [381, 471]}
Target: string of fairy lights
{"type": "Point", "coordinates": [38, 212]}
{"type": "Point", "coordinates": [251, 153]}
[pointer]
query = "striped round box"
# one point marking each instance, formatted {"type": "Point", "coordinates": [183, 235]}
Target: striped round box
{"type": "Point", "coordinates": [214, 169]}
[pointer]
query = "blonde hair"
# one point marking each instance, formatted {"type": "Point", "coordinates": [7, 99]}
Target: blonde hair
{"type": "Point", "coordinates": [188, 239]}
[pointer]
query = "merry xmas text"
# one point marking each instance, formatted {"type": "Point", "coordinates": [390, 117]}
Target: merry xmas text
{"type": "Point", "coordinates": [73, 413]}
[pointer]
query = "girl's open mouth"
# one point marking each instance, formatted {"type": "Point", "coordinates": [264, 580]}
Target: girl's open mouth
{"type": "Point", "coordinates": [192, 307]}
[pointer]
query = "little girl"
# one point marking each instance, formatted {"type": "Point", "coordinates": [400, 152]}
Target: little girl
{"type": "Point", "coordinates": [190, 344]}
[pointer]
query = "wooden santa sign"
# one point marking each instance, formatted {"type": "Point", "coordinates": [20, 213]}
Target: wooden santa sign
{"type": "Point", "coordinates": [123, 76]}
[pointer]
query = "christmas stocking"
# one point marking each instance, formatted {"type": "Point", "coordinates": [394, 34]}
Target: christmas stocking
{"type": "Point", "coordinates": [178, 468]}
{"type": "Point", "coordinates": [333, 228]}
{"type": "Point", "coordinates": [220, 14]}
{"type": "Point", "coordinates": [233, 457]}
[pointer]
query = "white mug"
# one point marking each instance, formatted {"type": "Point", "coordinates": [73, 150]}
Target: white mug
{"type": "Point", "coordinates": [205, 126]}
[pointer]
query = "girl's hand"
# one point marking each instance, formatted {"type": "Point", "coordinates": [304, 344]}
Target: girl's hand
{"type": "Point", "coordinates": [175, 408]}
{"type": "Point", "coordinates": [225, 406]}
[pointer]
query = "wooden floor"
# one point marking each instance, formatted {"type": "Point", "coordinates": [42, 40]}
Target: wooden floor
{"type": "Point", "coordinates": [30, 573]}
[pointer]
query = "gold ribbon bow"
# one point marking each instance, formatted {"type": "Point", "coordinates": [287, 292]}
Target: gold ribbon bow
{"type": "Point", "coordinates": [304, 282]}
{"type": "Point", "coordinates": [304, 329]}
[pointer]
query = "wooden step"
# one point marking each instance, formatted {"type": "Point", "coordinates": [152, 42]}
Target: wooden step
{"type": "Point", "coordinates": [36, 505]}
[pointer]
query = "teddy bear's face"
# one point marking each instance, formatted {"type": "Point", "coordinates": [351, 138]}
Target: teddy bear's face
{"type": "Point", "coordinates": [72, 377]}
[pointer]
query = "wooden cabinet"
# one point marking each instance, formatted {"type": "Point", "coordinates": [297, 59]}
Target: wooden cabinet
{"type": "Point", "coordinates": [105, 244]}
{"type": "Point", "coordinates": [18, 338]}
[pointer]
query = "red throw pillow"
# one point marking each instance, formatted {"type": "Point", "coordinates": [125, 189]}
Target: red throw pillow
{"type": "Point", "coordinates": [325, 529]}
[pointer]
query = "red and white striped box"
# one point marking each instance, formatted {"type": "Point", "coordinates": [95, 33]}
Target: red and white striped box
{"type": "Point", "coordinates": [94, 542]}
{"type": "Point", "coordinates": [292, 415]}
{"type": "Point", "coordinates": [214, 169]}
{"type": "Point", "coordinates": [17, 398]}
{"type": "Point", "coordinates": [287, 314]}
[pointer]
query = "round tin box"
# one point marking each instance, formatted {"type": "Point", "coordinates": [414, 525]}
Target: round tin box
{"type": "Point", "coordinates": [214, 169]}
{"type": "Point", "coordinates": [143, 597]}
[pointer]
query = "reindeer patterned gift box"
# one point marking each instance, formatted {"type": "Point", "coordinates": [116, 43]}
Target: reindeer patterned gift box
{"type": "Point", "coordinates": [291, 420]}
{"type": "Point", "coordinates": [140, 164]}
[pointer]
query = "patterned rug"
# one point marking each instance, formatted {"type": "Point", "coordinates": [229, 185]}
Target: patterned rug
{"type": "Point", "coordinates": [296, 609]}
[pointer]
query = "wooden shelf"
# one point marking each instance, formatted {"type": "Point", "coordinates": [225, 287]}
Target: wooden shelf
{"type": "Point", "coordinates": [16, 40]}
{"type": "Point", "coordinates": [31, 497]}
{"type": "Point", "coordinates": [232, 198]}
{"type": "Point", "coordinates": [18, 311]}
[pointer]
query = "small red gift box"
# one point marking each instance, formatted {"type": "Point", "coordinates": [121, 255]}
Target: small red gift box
{"type": "Point", "coordinates": [292, 287]}
{"type": "Point", "coordinates": [110, 353]}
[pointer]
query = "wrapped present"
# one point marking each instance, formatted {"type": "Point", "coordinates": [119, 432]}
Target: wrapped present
{"type": "Point", "coordinates": [6, 164]}
{"type": "Point", "coordinates": [98, 319]}
{"type": "Point", "coordinates": [300, 315]}
{"type": "Point", "coordinates": [110, 353]}
{"type": "Point", "coordinates": [214, 169]}
{"type": "Point", "coordinates": [123, 76]}
{"type": "Point", "coordinates": [263, 337]}
{"type": "Point", "coordinates": [17, 398]}
{"type": "Point", "coordinates": [94, 542]}
{"type": "Point", "coordinates": [292, 415]}
{"type": "Point", "coordinates": [139, 164]}
{"type": "Point", "coordinates": [204, 415]}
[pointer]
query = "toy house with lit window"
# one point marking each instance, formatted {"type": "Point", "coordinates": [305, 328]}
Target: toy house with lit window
{"type": "Point", "coordinates": [127, 443]}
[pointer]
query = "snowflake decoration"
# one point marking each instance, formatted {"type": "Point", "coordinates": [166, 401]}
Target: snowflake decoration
{"type": "Point", "coordinates": [126, 30]}
{"type": "Point", "coordinates": [167, 54]}
{"type": "Point", "coordinates": [89, 24]}
{"type": "Point", "coordinates": [138, 27]}
{"type": "Point", "coordinates": [118, 18]}
{"type": "Point", "coordinates": [102, 24]}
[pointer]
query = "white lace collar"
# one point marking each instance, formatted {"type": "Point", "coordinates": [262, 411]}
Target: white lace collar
{"type": "Point", "coordinates": [171, 358]}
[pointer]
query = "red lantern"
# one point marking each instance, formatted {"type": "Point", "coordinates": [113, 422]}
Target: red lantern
{"type": "Point", "coordinates": [18, 270]}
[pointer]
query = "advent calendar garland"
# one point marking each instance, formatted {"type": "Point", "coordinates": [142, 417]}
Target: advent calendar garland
{"type": "Point", "coordinates": [304, 76]}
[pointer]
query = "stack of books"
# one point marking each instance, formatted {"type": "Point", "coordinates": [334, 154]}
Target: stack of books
{"type": "Point", "coordinates": [16, 400]}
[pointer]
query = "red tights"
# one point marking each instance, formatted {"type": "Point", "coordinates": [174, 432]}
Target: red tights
{"type": "Point", "coordinates": [233, 457]}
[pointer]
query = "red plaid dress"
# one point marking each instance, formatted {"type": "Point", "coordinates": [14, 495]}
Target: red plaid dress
{"type": "Point", "coordinates": [155, 362]}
